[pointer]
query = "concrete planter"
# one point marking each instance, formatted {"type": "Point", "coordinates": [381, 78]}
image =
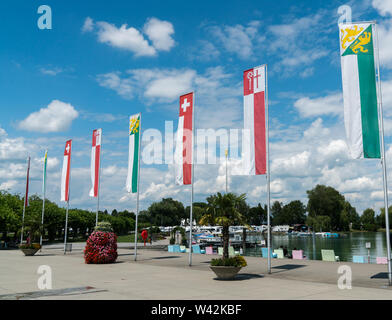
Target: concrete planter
{"type": "Point", "coordinates": [225, 273]}
{"type": "Point", "coordinates": [29, 252]}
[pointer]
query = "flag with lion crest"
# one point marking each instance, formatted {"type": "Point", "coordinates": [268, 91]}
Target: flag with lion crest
{"type": "Point", "coordinates": [133, 159]}
{"type": "Point", "coordinates": [359, 89]}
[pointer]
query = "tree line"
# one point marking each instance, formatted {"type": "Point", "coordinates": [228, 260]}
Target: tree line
{"type": "Point", "coordinates": [326, 210]}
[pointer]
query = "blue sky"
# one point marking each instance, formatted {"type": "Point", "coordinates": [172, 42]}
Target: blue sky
{"type": "Point", "coordinates": [101, 63]}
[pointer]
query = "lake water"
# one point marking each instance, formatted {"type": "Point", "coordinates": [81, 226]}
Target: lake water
{"type": "Point", "coordinates": [345, 247]}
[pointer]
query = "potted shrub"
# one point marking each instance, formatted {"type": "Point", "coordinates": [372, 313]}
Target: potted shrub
{"type": "Point", "coordinates": [227, 268]}
{"type": "Point", "coordinates": [30, 249]}
{"type": "Point", "coordinates": [225, 210]}
{"type": "Point", "coordinates": [33, 231]}
{"type": "Point", "coordinates": [101, 245]}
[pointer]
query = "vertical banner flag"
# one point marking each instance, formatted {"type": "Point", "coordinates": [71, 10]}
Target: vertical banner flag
{"type": "Point", "coordinates": [66, 171]}
{"type": "Point", "coordinates": [359, 89]}
{"type": "Point", "coordinates": [26, 199]}
{"type": "Point", "coordinates": [95, 162]}
{"type": "Point", "coordinates": [254, 143]}
{"type": "Point", "coordinates": [184, 145]}
{"type": "Point", "coordinates": [133, 159]}
{"type": "Point", "coordinates": [44, 173]}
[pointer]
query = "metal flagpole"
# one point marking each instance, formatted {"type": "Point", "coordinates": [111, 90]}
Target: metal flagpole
{"type": "Point", "coordinates": [24, 209]}
{"type": "Point", "coordinates": [66, 227]}
{"type": "Point", "coordinates": [138, 180]}
{"type": "Point", "coordinates": [42, 221]}
{"type": "Point", "coordinates": [96, 215]}
{"type": "Point", "coordinates": [26, 195]}
{"type": "Point", "coordinates": [191, 211]}
{"type": "Point", "coordinates": [43, 200]}
{"type": "Point", "coordinates": [268, 173]}
{"type": "Point", "coordinates": [66, 214]}
{"type": "Point", "coordinates": [99, 179]}
{"type": "Point", "coordinates": [226, 154]}
{"type": "Point", "coordinates": [383, 160]}
{"type": "Point", "coordinates": [191, 223]}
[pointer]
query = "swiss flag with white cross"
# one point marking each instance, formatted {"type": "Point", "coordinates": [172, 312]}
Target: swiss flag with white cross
{"type": "Point", "coordinates": [184, 144]}
{"type": "Point", "coordinates": [65, 174]}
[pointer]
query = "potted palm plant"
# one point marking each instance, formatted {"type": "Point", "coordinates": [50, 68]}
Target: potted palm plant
{"type": "Point", "coordinates": [224, 210]}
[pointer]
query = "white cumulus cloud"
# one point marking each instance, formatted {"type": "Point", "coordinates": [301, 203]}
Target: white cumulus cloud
{"type": "Point", "coordinates": [124, 38]}
{"type": "Point", "coordinates": [56, 117]}
{"type": "Point", "coordinates": [112, 80]}
{"type": "Point", "coordinates": [329, 105]}
{"type": "Point", "coordinates": [239, 39]}
{"type": "Point", "coordinates": [161, 84]}
{"type": "Point", "coordinates": [88, 25]}
{"type": "Point", "coordinates": [384, 7]}
{"type": "Point", "coordinates": [160, 33]}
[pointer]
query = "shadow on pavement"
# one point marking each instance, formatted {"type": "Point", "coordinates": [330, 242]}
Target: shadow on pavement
{"type": "Point", "coordinates": [381, 275]}
{"type": "Point", "coordinates": [168, 257]}
{"type": "Point", "coordinates": [289, 266]}
{"type": "Point", "coordinates": [243, 276]}
{"type": "Point", "coordinates": [51, 292]}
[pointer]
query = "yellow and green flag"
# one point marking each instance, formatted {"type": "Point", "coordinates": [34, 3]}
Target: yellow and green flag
{"type": "Point", "coordinates": [133, 159]}
{"type": "Point", "coordinates": [360, 89]}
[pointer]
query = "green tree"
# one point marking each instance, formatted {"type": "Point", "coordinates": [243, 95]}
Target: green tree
{"type": "Point", "coordinates": [257, 215]}
{"type": "Point", "coordinates": [10, 206]}
{"type": "Point", "coordinates": [380, 219]}
{"type": "Point", "coordinates": [167, 212]}
{"type": "Point", "coordinates": [197, 212]}
{"type": "Point", "coordinates": [33, 219]}
{"type": "Point", "coordinates": [276, 213]}
{"type": "Point", "coordinates": [54, 220]}
{"type": "Point", "coordinates": [224, 210]}
{"type": "Point", "coordinates": [349, 217]}
{"type": "Point", "coordinates": [326, 201]}
{"type": "Point", "coordinates": [319, 223]}
{"type": "Point", "coordinates": [127, 214]}
{"type": "Point", "coordinates": [293, 213]}
{"type": "Point", "coordinates": [144, 218]}
{"type": "Point", "coordinates": [368, 220]}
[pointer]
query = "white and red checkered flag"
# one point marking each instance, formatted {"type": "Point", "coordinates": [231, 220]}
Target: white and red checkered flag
{"type": "Point", "coordinates": [65, 175]}
{"type": "Point", "coordinates": [254, 146]}
{"type": "Point", "coordinates": [184, 145]}
{"type": "Point", "coordinates": [95, 162]}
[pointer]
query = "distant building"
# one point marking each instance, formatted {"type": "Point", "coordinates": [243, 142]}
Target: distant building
{"type": "Point", "coordinates": [282, 228]}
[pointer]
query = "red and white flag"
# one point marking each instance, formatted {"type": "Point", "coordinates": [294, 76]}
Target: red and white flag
{"type": "Point", "coordinates": [66, 171]}
{"type": "Point", "coordinates": [254, 143]}
{"type": "Point", "coordinates": [26, 199]}
{"type": "Point", "coordinates": [184, 144]}
{"type": "Point", "coordinates": [95, 162]}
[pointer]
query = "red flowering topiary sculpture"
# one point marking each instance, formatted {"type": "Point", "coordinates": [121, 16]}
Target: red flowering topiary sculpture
{"type": "Point", "coordinates": [101, 247]}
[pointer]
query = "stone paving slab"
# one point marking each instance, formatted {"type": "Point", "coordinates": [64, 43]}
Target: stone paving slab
{"type": "Point", "coordinates": [162, 275]}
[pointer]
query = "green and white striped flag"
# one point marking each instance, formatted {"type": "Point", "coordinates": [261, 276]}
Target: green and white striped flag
{"type": "Point", "coordinates": [44, 173]}
{"type": "Point", "coordinates": [133, 160]}
{"type": "Point", "coordinates": [359, 89]}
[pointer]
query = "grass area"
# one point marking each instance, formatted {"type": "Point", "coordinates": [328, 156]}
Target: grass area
{"type": "Point", "coordinates": [128, 238]}
{"type": "Point", "coordinates": [123, 238]}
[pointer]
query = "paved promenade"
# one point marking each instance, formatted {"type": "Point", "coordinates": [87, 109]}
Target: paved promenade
{"type": "Point", "coordinates": [163, 275]}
